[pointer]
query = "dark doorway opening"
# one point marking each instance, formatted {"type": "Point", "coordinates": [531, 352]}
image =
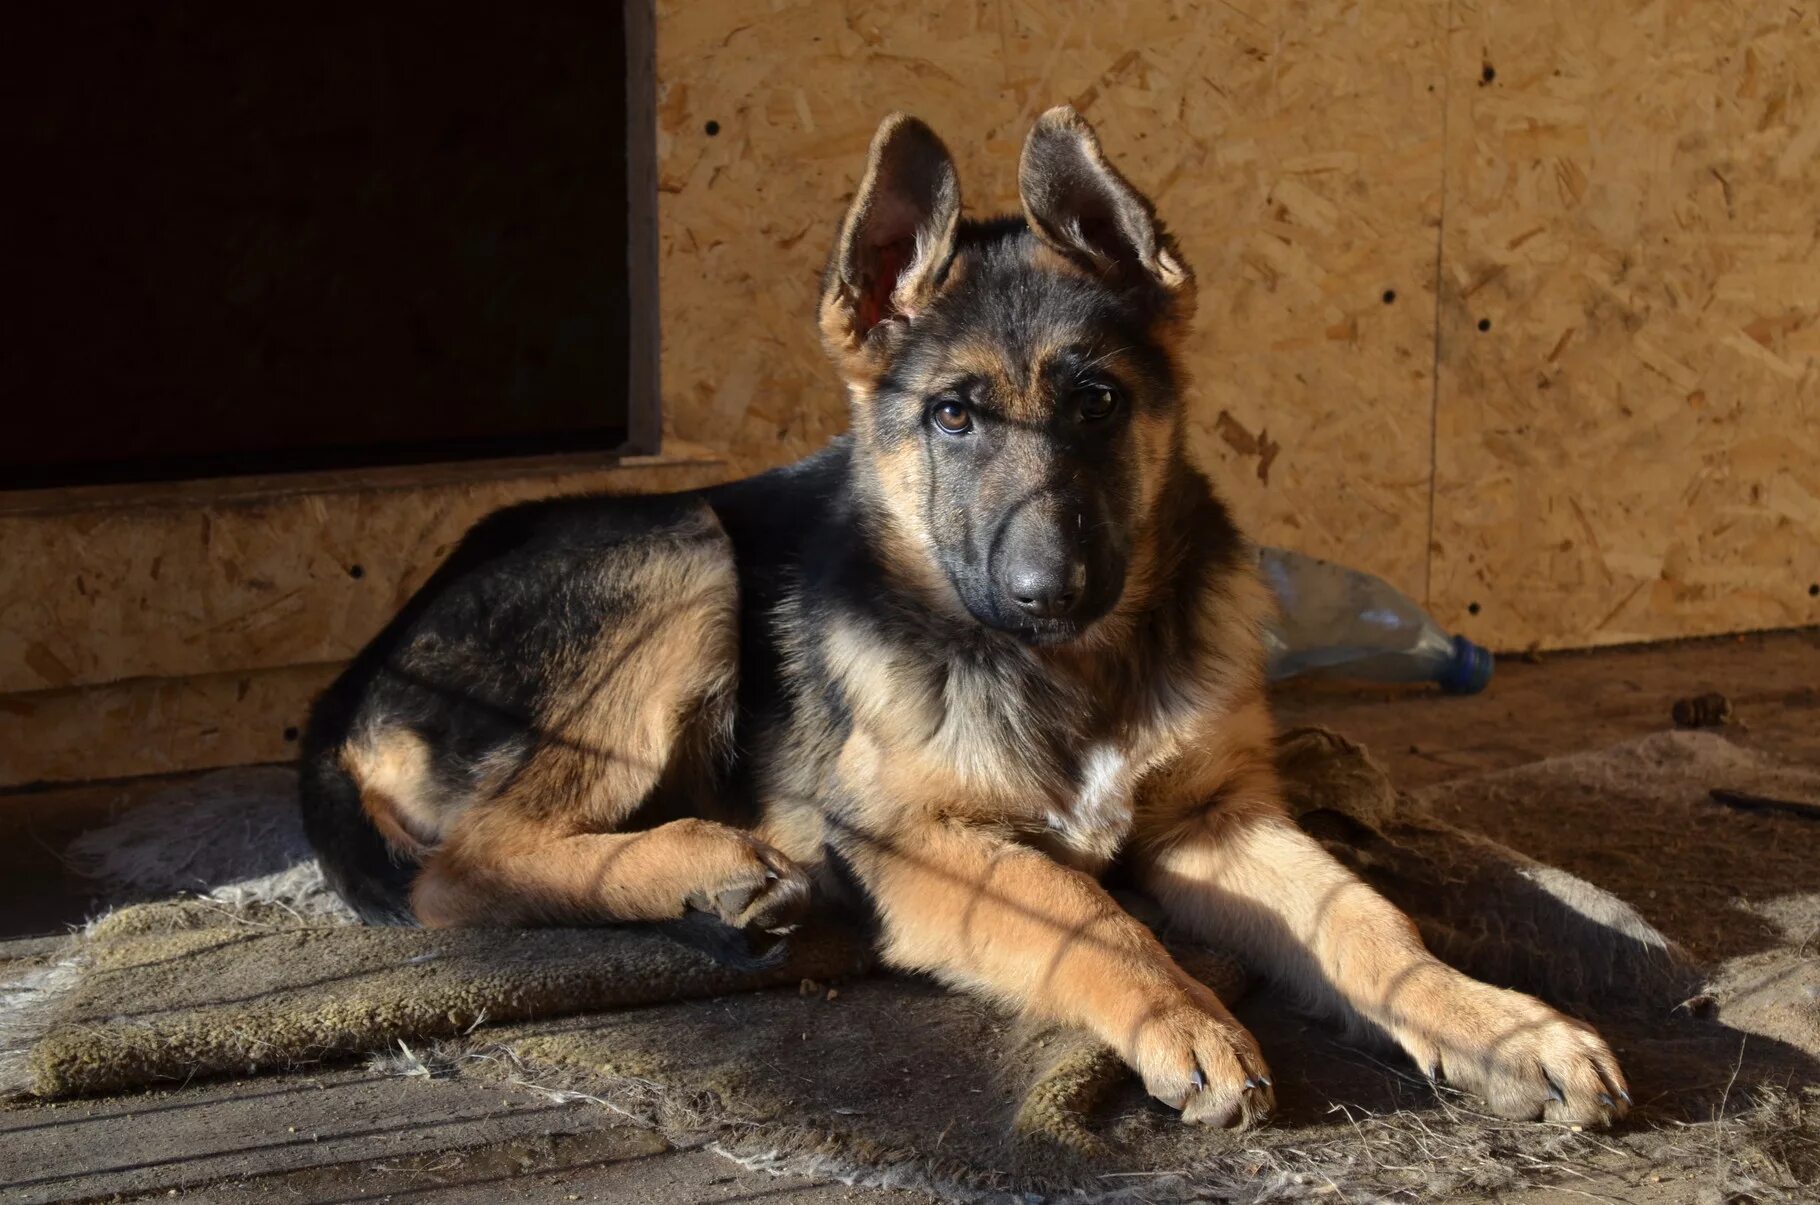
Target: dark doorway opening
{"type": "Point", "coordinates": [252, 238]}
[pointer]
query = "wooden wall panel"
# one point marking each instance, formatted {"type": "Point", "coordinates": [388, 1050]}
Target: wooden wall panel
{"type": "Point", "coordinates": [1293, 147]}
{"type": "Point", "coordinates": [208, 577]}
{"type": "Point", "coordinates": [1628, 197]}
{"type": "Point", "coordinates": [156, 725]}
{"type": "Point", "coordinates": [1631, 449]}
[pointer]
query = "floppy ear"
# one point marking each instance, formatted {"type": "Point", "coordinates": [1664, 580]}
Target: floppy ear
{"type": "Point", "coordinates": [1080, 205]}
{"type": "Point", "coordinates": [895, 239]}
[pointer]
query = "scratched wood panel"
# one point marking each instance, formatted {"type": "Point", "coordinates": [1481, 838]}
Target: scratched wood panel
{"type": "Point", "coordinates": [156, 725]}
{"type": "Point", "coordinates": [1293, 147]}
{"type": "Point", "coordinates": [1630, 449]}
{"type": "Point", "coordinates": [106, 584]}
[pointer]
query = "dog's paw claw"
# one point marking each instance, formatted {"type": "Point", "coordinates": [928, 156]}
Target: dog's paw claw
{"type": "Point", "coordinates": [1525, 1060]}
{"type": "Point", "coordinates": [766, 892]}
{"type": "Point", "coordinates": [1207, 1066]}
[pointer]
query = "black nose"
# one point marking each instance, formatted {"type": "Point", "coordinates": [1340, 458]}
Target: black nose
{"type": "Point", "coordinates": [1046, 587]}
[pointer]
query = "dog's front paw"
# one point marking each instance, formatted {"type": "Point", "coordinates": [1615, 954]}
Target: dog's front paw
{"type": "Point", "coordinates": [1522, 1058]}
{"type": "Point", "coordinates": [760, 889]}
{"type": "Point", "coordinates": [1202, 1062]}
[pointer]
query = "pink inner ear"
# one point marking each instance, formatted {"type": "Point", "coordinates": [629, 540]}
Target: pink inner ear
{"type": "Point", "coordinates": [890, 260]}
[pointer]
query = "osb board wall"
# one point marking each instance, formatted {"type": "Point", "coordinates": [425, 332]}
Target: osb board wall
{"type": "Point", "coordinates": [1631, 450]}
{"type": "Point", "coordinates": [1629, 200]}
{"type": "Point", "coordinates": [157, 725]}
{"type": "Point", "coordinates": [1293, 151]}
{"type": "Point", "coordinates": [227, 578]}
{"type": "Point", "coordinates": [146, 634]}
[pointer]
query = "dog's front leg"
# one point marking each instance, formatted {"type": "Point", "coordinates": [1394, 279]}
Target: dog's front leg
{"type": "Point", "coordinates": [984, 912]}
{"type": "Point", "coordinates": [1238, 871]}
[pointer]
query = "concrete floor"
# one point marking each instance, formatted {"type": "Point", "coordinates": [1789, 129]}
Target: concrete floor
{"type": "Point", "coordinates": [347, 1135]}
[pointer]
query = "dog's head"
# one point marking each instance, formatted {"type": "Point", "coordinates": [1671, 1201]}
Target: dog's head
{"type": "Point", "coordinates": [1014, 389]}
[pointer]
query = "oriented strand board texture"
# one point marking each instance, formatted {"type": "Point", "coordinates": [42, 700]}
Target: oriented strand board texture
{"type": "Point", "coordinates": [1632, 449]}
{"type": "Point", "coordinates": [156, 725]}
{"type": "Point", "coordinates": [217, 577]}
{"type": "Point", "coordinates": [1629, 197]}
{"type": "Point", "coordinates": [191, 627]}
{"type": "Point", "coordinates": [1293, 147]}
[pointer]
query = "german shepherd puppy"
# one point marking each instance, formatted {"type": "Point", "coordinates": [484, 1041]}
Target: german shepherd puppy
{"type": "Point", "coordinates": [995, 639]}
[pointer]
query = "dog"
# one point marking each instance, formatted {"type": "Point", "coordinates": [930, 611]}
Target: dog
{"type": "Point", "coordinates": [998, 639]}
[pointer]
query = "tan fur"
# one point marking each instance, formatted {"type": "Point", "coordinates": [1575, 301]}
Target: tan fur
{"type": "Point", "coordinates": [507, 869]}
{"type": "Point", "coordinates": [609, 739]}
{"type": "Point", "coordinates": [974, 884]}
{"type": "Point", "coordinates": [976, 799]}
{"type": "Point", "coordinates": [1220, 853]}
{"type": "Point", "coordinates": [392, 771]}
{"type": "Point", "coordinates": [950, 845]}
{"type": "Point", "coordinates": [538, 849]}
{"type": "Point", "coordinates": [987, 913]}
{"type": "Point", "coordinates": [900, 478]}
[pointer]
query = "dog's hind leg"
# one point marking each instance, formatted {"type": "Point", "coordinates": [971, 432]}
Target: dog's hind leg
{"type": "Point", "coordinates": [528, 874]}
{"type": "Point", "coordinates": [642, 708]}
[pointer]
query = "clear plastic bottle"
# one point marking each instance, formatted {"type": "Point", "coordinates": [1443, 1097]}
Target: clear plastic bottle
{"type": "Point", "coordinates": [1350, 624]}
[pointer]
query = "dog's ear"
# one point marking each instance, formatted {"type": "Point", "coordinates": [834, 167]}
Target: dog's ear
{"type": "Point", "coordinates": [1079, 204]}
{"type": "Point", "coordinates": [894, 242]}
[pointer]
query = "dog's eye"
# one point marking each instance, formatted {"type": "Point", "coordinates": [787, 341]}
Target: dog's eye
{"type": "Point", "coordinates": [951, 417]}
{"type": "Point", "coordinates": [1097, 402]}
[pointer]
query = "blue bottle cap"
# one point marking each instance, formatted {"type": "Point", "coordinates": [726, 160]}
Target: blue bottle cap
{"type": "Point", "coordinates": [1471, 668]}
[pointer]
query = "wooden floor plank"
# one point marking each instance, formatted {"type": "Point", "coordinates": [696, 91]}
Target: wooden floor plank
{"type": "Point", "coordinates": [211, 1132]}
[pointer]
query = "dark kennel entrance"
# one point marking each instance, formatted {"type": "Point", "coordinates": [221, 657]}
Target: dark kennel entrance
{"type": "Point", "coordinates": [260, 238]}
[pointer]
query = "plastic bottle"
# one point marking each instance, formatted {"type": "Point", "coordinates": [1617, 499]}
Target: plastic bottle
{"type": "Point", "coordinates": [1350, 624]}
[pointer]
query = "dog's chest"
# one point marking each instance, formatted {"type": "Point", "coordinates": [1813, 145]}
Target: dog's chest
{"type": "Point", "coordinates": [1095, 817]}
